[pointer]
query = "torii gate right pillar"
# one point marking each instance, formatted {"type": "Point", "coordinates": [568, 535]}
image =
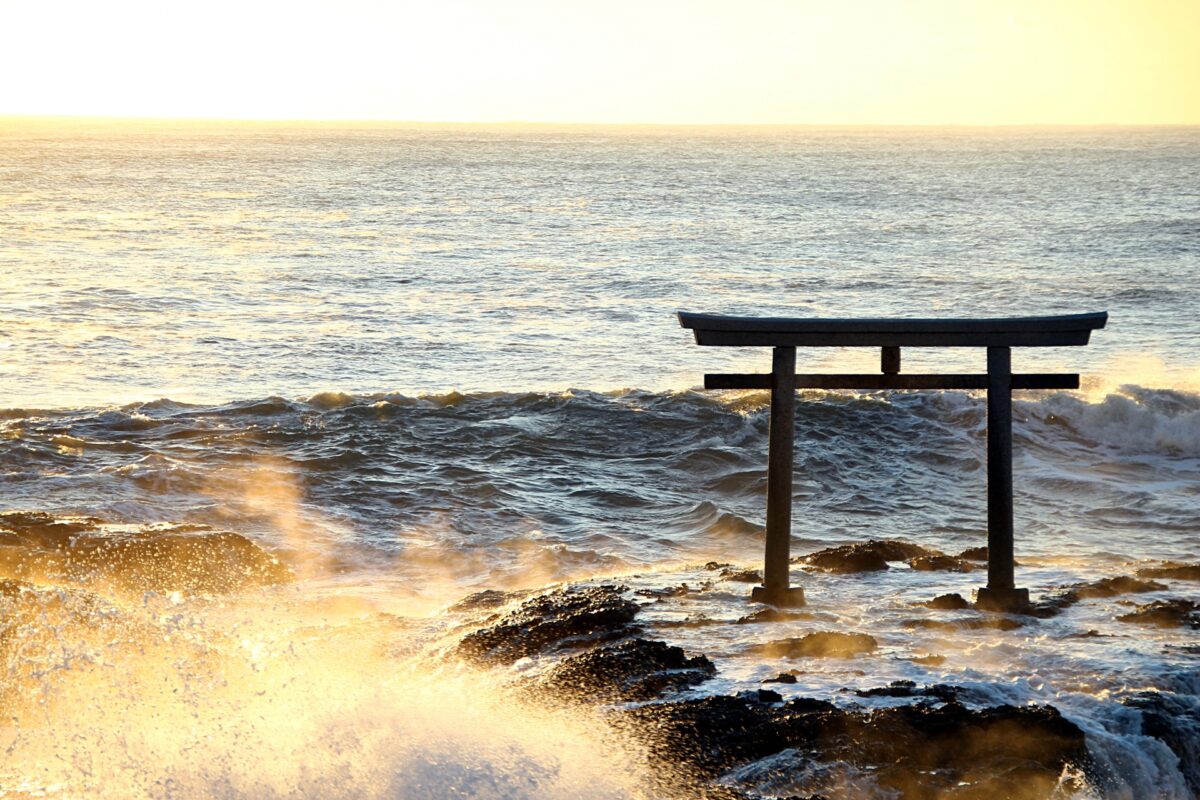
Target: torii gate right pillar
{"type": "Point", "coordinates": [1000, 594]}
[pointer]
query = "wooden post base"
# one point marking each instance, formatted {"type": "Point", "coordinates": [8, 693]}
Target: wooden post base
{"type": "Point", "coordinates": [1010, 600]}
{"type": "Point", "coordinates": [787, 597]}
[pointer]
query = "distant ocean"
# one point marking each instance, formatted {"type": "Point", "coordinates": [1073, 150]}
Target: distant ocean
{"type": "Point", "coordinates": [417, 362]}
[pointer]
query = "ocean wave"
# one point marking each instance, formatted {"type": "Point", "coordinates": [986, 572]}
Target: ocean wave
{"type": "Point", "coordinates": [583, 465]}
{"type": "Point", "coordinates": [1132, 420]}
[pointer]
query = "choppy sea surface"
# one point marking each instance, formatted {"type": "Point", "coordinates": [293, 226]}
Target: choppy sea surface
{"type": "Point", "coordinates": [418, 362]}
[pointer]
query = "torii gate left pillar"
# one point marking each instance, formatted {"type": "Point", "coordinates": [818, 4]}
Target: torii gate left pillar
{"type": "Point", "coordinates": [781, 447]}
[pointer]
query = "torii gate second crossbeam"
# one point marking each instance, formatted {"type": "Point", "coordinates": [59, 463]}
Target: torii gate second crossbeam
{"type": "Point", "coordinates": [999, 336]}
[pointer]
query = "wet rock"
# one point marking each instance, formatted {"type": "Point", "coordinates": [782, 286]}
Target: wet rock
{"type": "Point", "coordinates": [772, 615]}
{"type": "Point", "coordinates": [1054, 604]}
{"type": "Point", "coordinates": [726, 792]}
{"type": "Point", "coordinates": [1165, 614]}
{"type": "Point", "coordinates": [783, 677]}
{"type": "Point", "coordinates": [185, 558]}
{"type": "Point", "coordinates": [897, 550]}
{"type": "Point", "coordinates": [824, 644]}
{"type": "Point", "coordinates": [713, 734]}
{"type": "Point", "coordinates": [1172, 570]}
{"type": "Point", "coordinates": [893, 689]}
{"type": "Point", "coordinates": [1175, 720]}
{"type": "Point", "coordinates": [940, 563]}
{"type": "Point", "coordinates": [488, 598]}
{"type": "Point", "coordinates": [938, 691]}
{"type": "Point", "coordinates": [990, 622]}
{"type": "Point", "coordinates": [847, 559]}
{"type": "Point", "coordinates": [947, 602]}
{"type": "Point", "coordinates": [930, 660]}
{"type": "Point", "coordinates": [565, 616]}
{"type": "Point", "coordinates": [1111, 587]}
{"type": "Point", "coordinates": [741, 575]}
{"type": "Point", "coordinates": [667, 591]}
{"type": "Point", "coordinates": [762, 696]}
{"type": "Point", "coordinates": [693, 621]}
{"type": "Point", "coordinates": [40, 529]}
{"type": "Point", "coordinates": [864, 557]}
{"type": "Point", "coordinates": [979, 554]}
{"type": "Point", "coordinates": [13, 588]}
{"type": "Point", "coordinates": [638, 669]}
{"type": "Point", "coordinates": [920, 751]}
{"type": "Point", "coordinates": [1088, 634]}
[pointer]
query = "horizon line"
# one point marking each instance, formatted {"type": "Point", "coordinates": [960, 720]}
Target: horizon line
{"type": "Point", "coordinates": [382, 121]}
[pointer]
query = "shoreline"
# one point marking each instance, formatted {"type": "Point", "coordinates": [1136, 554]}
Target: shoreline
{"type": "Point", "coordinates": [726, 699]}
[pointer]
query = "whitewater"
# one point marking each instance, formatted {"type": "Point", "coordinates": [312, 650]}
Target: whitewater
{"type": "Point", "coordinates": [276, 398]}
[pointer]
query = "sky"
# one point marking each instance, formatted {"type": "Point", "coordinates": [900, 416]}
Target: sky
{"type": "Point", "coordinates": [922, 62]}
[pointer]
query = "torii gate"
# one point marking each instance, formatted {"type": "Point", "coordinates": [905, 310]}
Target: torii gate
{"type": "Point", "coordinates": [999, 336]}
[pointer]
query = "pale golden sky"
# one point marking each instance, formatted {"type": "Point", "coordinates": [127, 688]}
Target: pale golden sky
{"type": "Point", "coordinates": [658, 61]}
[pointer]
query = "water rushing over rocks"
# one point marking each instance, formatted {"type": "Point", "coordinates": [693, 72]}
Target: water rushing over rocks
{"type": "Point", "coordinates": [760, 705]}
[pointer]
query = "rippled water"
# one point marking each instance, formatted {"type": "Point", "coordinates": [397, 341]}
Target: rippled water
{"type": "Point", "coordinates": [417, 362]}
{"type": "Point", "coordinates": [235, 263]}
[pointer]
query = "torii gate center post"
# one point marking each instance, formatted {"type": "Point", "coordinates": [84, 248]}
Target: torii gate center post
{"type": "Point", "coordinates": [998, 336]}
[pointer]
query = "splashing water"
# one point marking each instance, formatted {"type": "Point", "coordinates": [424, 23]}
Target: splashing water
{"type": "Point", "coordinates": [283, 695]}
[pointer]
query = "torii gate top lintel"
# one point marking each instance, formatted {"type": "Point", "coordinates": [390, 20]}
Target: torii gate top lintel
{"type": "Point", "coordinates": [999, 336]}
{"type": "Point", "coordinates": [733, 331]}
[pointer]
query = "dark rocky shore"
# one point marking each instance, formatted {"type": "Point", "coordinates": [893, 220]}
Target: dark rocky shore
{"type": "Point", "coordinates": [594, 646]}
{"type": "Point", "coordinates": [931, 745]}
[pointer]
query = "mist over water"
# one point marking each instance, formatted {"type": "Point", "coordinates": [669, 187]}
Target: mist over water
{"type": "Point", "coordinates": [414, 363]}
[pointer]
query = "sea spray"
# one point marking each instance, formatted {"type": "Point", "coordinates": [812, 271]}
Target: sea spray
{"type": "Point", "coordinates": [272, 695]}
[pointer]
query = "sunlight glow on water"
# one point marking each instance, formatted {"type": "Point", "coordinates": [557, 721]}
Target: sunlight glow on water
{"type": "Point", "coordinates": [213, 264]}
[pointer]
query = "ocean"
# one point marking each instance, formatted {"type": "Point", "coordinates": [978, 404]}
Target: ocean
{"type": "Point", "coordinates": [417, 362]}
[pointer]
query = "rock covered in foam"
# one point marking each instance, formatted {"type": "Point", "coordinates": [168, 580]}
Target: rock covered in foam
{"type": "Point", "coordinates": [190, 558]}
{"type": "Point", "coordinates": [979, 622]}
{"type": "Point", "coordinates": [1175, 720]}
{"type": "Point", "coordinates": [940, 563]}
{"type": "Point", "coordinates": [822, 644]}
{"type": "Point", "coordinates": [1105, 587]}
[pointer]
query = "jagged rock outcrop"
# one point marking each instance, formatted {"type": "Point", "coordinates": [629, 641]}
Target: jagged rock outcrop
{"type": "Point", "coordinates": [921, 751]}
{"type": "Point", "coordinates": [1165, 614]}
{"type": "Point", "coordinates": [578, 616]}
{"type": "Point", "coordinates": [1172, 570]}
{"type": "Point", "coordinates": [637, 669]}
{"type": "Point", "coordinates": [864, 556]}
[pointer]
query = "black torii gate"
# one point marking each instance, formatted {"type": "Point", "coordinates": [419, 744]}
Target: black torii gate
{"type": "Point", "coordinates": [999, 336]}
